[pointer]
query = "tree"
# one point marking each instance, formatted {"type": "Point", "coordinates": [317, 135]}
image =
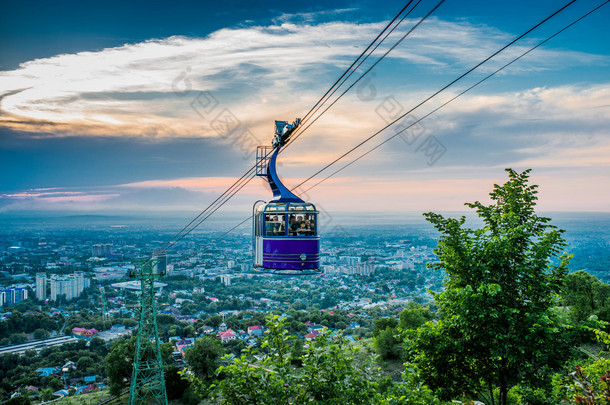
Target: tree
{"type": "Point", "coordinates": [235, 346]}
{"type": "Point", "coordinates": [296, 352]}
{"type": "Point", "coordinates": [40, 334]}
{"type": "Point", "coordinates": [215, 320]}
{"type": "Point", "coordinates": [382, 324]}
{"type": "Point", "coordinates": [17, 338]}
{"type": "Point", "coordinates": [586, 296]}
{"type": "Point", "coordinates": [189, 331]}
{"type": "Point", "coordinates": [119, 364]}
{"type": "Point", "coordinates": [203, 357]}
{"type": "Point", "coordinates": [19, 400]}
{"type": "Point", "coordinates": [46, 394]}
{"type": "Point", "coordinates": [85, 363]}
{"type": "Point", "coordinates": [56, 384]}
{"type": "Point", "coordinates": [388, 343]}
{"type": "Point", "coordinates": [336, 372]}
{"type": "Point", "coordinates": [413, 316]}
{"type": "Point", "coordinates": [175, 385]}
{"type": "Point", "coordinates": [497, 327]}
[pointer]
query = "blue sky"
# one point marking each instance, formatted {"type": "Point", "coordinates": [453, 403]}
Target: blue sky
{"type": "Point", "coordinates": [102, 104]}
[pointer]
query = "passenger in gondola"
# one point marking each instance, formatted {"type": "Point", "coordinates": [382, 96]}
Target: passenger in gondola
{"type": "Point", "coordinates": [269, 228]}
{"type": "Point", "coordinates": [309, 226]}
{"type": "Point", "coordinates": [303, 230]}
{"type": "Point", "coordinates": [280, 229]}
{"type": "Point", "coordinates": [277, 230]}
{"type": "Point", "coordinates": [293, 225]}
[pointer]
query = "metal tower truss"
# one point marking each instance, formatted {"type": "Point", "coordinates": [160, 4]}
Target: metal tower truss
{"type": "Point", "coordinates": [147, 379]}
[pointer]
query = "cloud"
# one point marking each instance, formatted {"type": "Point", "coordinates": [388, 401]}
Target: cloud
{"type": "Point", "coordinates": [153, 89]}
{"type": "Point", "coordinates": [53, 199]}
{"type": "Point", "coordinates": [186, 194]}
{"type": "Point", "coordinates": [539, 127]}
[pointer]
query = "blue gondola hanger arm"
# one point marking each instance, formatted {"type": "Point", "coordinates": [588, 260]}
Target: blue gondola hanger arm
{"type": "Point", "coordinates": [283, 130]}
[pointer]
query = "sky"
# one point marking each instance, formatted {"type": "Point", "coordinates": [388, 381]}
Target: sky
{"type": "Point", "coordinates": [158, 107]}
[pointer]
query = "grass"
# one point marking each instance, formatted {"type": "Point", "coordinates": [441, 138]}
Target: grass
{"type": "Point", "coordinates": [92, 399]}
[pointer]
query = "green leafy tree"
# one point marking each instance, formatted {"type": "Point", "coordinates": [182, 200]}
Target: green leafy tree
{"type": "Point", "coordinates": [189, 331]}
{"type": "Point", "coordinates": [84, 363]}
{"type": "Point", "coordinates": [382, 324]}
{"type": "Point", "coordinates": [586, 296]}
{"type": "Point", "coordinates": [413, 316]}
{"type": "Point", "coordinates": [497, 327]}
{"type": "Point", "coordinates": [410, 391]}
{"type": "Point", "coordinates": [17, 338]}
{"type": "Point", "coordinates": [19, 400]}
{"type": "Point", "coordinates": [46, 394]}
{"type": "Point", "coordinates": [215, 320]}
{"type": "Point", "coordinates": [119, 364]}
{"type": "Point", "coordinates": [40, 334]}
{"type": "Point", "coordinates": [175, 385]}
{"type": "Point", "coordinates": [296, 352]}
{"type": "Point", "coordinates": [202, 359]}
{"type": "Point", "coordinates": [336, 372]}
{"type": "Point", "coordinates": [56, 384]}
{"type": "Point", "coordinates": [388, 343]}
{"type": "Point", "coordinates": [235, 346]}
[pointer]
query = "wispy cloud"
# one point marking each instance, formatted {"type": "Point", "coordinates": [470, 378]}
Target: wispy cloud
{"type": "Point", "coordinates": [189, 194]}
{"type": "Point", "coordinates": [146, 89]}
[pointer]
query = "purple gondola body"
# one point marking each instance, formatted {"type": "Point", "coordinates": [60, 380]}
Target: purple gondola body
{"type": "Point", "coordinates": [287, 253]}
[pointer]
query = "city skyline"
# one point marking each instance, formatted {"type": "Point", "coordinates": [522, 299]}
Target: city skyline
{"type": "Point", "coordinates": [100, 114]}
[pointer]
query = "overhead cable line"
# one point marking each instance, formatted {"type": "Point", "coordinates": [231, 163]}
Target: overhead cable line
{"type": "Point", "coordinates": [358, 62]}
{"type": "Point", "coordinates": [460, 94]}
{"type": "Point", "coordinates": [437, 92]}
{"type": "Point", "coordinates": [424, 18]}
{"type": "Point", "coordinates": [218, 201]}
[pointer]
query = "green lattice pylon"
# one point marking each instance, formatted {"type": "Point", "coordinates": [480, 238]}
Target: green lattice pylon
{"type": "Point", "coordinates": [147, 379]}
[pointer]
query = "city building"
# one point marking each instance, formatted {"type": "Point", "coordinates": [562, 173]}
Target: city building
{"type": "Point", "coordinates": [13, 295]}
{"type": "Point", "coordinates": [350, 260]}
{"type": "Point", "coordinates": [101, 250]}
{"type": "Point", "coordinates": [256, 330]}
{"type": "Point", "coordinates": [41, 286]}
{"type": "Point", "coordinates": [83, 332]}
{"type": "Point", "coordinates": [227, 336]}
{"type": "Point", "coordinates": [70, 285]}
{"type": "Point", "coordinates": [225, 279]}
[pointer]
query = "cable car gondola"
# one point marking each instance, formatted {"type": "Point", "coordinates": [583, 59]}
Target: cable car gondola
{"type": "Point", "coordinates": [285, 230]}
